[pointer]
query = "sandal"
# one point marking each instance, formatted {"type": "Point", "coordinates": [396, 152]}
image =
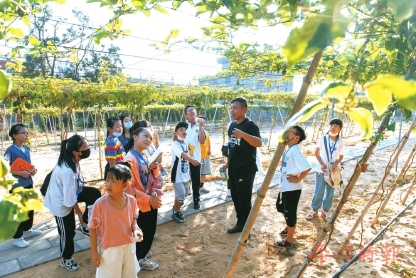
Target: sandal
{"type": "Point", "coordinates": [283, 244]}
{"type": "Point", "coordinates": [284, 232]}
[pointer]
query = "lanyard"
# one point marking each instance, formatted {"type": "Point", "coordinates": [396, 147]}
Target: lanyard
{"type": "Point", "coordinates": [183, 149]}
{"type": "Point", "coordinates": [331, 148]}
{"type": "Point", "coordinates": [284, 158]}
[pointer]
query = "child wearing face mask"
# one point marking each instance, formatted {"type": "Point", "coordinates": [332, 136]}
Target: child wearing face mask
{"type": "Point", "coordinates": [113, 149]}
{"type": "Point", "coordinates": [125, 135]}
{"type": "Point", "coordinates": [180, 170]}
{"type": "Point", "coordinates": [66, 189]}
{"type": "Point", "coordinates": [324, 193]}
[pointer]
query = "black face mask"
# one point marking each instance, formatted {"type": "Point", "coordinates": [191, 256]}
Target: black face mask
{"type": "Point", "coordinates": [85, 154]}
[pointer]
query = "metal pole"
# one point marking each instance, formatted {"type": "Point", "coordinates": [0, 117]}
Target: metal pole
{"type": "Point", "coordinates": [166, 123]}
{"type": "Point", "coordinates": [400, 135]}
{"type": "Point", "coordinates": [213, 120]}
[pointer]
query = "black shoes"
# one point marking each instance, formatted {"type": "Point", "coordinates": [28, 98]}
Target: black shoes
{"type": "Point", "coordinates": [236, 229]}
{"type": "Point", "coordinates": [196, 204]}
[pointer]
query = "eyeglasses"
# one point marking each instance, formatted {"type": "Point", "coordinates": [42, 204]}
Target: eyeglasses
{"type": "Point", "coordinates": [294, 133]}
{"type": "Point", "coordinates": [24, 133]}
{"type": "Point", "coordinates": [190, 110]}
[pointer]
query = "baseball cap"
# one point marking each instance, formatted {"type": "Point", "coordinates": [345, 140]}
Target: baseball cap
{"type": "Point", "coordinates": [181, 124]}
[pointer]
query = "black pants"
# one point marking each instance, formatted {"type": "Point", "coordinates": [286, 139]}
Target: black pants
{"type": "Point", "coordinates": [147, 223]}
{"type": "Point", "coordinates": [25, 225]}
{"type": "Point", "coordinates": [241, 187]}
{"type": "Point", "coordinates": [88, 196]}
{"type": "Point", "coordinates": [66, 230]}
{"type": "Point", "coordinates": [195, 172]}
{"type": "Point", "coordinates": [287, 203]}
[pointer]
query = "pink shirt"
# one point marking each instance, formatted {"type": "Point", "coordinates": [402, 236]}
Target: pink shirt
{"type": "Point", "coordinates": [113, 225]}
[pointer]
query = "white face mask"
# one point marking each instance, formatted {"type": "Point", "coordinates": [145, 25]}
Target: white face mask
{"type": "Point", "coordinates": [181, 139]}
{"type": "Point", "coordinates": [333, 134]}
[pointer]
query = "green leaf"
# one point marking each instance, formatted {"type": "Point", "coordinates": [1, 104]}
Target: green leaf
{"type": "Point", "coordinates": [207, 31]}
{"type": "Point", "coordinates": [305, 113]}
{"type": "Point", "coordinates": [401, 9]}
{"type": "Point", "coordinates": [15, 31]}
{"type": "Point", "coordinates": [392, 126]}
{"type": "Point", "coordinates": [8, 211]}
{"type": "Point", "coordinates": [337, 90]}
{"type": "Point", "coordinates": [364, 118]}
{"type": "Point", "coordinates": [33, 41]}
{"type": "Point", "coordinates": [161, 10]}
{"type": "Point", "coordinates": [176, 4]}
{"type": "Point", "coordinates": [381, 90]}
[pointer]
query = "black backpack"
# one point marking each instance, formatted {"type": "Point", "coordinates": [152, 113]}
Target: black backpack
{"type": "Point", "coordinates": [45, 184]}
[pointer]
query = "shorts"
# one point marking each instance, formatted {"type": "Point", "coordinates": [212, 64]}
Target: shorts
{"type": "Point", "coordinates": [119, 261]}
{"type": "Point", "coordinates": [181, 190]}
{"type": "Point", "coordinates": [206, 166]}
{"type": "Point", "coordinates": [287, 203]}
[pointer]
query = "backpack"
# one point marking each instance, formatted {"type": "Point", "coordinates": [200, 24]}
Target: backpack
{"type": "Point", "coordinates": [45, 184]}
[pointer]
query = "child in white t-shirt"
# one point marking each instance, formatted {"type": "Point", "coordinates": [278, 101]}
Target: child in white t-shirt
{"type": "Point", "coordinates": [180, 169]}
{"type": "Point", "coordinates": [113, 227]}
{"type": "Point", "coordinates": [295, 167]}
{"type": "Point", "coordinates": [335, 149]}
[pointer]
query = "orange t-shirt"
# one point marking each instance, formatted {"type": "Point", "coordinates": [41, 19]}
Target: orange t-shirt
{"type": "Point", "coordinates": [113, 225]}
{"type": "Point", "coordinates": [205, 147]}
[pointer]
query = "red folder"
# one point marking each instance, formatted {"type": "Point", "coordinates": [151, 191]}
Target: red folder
{"type": "Point", "coordinates": [22, 165]}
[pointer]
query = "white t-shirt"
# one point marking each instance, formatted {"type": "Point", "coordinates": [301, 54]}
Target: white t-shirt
{"type": "Point", "coordinates": [294, 163]}
{"type": "Point", "coordinates": [337, 148]}
{"type": "Point", "coordinates": [177, 175]}
{"type": "Point", "coordinates": [192, 139]}
{"type": "Point", "coordinates": [61, 195]}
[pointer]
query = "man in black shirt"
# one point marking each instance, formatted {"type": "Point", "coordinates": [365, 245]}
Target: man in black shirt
{"type": "Point", "coordinates": [244, 138]}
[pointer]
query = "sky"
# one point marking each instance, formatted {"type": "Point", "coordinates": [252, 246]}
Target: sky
{"type": "Point", "coordinates": [184, 64]}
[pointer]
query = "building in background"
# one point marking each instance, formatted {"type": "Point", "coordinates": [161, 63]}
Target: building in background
{"type": "Point", "coordinates": [266, 82]}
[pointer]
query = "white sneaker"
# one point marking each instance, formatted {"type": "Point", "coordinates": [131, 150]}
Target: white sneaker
{"type": "Point", "coordinates": [229, 193]}
{"type": "Point", "coordinates": [20, 242]}
{"type": "Point", "coordinates": [31, 233]}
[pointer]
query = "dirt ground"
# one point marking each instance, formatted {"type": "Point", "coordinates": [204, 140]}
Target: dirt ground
{"type": "Point", "coordinates": [201, 247]}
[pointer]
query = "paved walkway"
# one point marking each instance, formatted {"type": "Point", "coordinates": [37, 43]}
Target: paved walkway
{"type": "Point", "coordinates": [45, 247]}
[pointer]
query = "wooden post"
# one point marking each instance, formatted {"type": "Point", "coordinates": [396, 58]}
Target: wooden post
{"type": "Point", "coordinates": [261, 193]}
{"type": "Point", "coordinates": [373, 197]}
{"type": "Point", "coordinates": [409, 190]}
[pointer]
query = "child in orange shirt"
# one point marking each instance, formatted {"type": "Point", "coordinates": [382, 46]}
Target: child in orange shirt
{"type": "Point", "coordinates": [113, 227]}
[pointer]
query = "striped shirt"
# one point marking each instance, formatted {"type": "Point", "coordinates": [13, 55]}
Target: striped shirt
{"type": "Point", "coordinates": [113, 149]}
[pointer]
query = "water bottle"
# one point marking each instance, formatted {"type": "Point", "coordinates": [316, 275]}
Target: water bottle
{"type": "Point", "coordinates": [223, 174]}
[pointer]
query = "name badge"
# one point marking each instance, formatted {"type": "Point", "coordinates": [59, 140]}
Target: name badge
{"type": "Point", "coordinates": [283, 163]}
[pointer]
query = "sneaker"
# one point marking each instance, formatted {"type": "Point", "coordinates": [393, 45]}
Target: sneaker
{"type": "Point", "coordinates": [149, 254]}
{"type": "Point", "coordinates": [31, 233]}
{"type": "Point", "coordinates": [325, 215]}
{"type": "Point", "coordinates": [196, 204]}
{"type": "Point", "coordinates": [69, 264]}
{"type": "Point", "coordinates": [84, 230]}
{"type": "Point", "coordinates": [203, 190]}
{"type": "Point", "coordinates": [178, 217]}
{"type": "Point", "coordinates": [145, 264]}
{"type": "Point", "coordinates": [229, 193]}
{"type": "Point", "coordinates": [311, 215]}
{"type": "Point", "coordinates": [20, 242]}
{"type": "Point", "coordinates": [283, 244]}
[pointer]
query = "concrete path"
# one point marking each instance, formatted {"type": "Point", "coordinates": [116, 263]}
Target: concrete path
{"type": "Point", "coordinates": [45, 247]}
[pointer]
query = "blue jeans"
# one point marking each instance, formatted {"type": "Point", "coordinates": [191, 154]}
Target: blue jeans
{"type": "Point", "coordinates": [319, 197]}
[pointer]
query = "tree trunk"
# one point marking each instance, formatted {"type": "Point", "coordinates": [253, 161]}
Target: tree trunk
{"type": "Point", "coordinates": [261, 193]}
{"type": "Point", "coordinates": [398, 179]}
{"type": "Point", "coordinates": [370, 202]}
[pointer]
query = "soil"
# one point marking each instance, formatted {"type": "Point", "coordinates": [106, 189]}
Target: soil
{"type": "Point", "coordinates": [200, 247]}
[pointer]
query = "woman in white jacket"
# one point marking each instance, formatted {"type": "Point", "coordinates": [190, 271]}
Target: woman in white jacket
{"type": "Point", "coordinates": [66, 189]}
